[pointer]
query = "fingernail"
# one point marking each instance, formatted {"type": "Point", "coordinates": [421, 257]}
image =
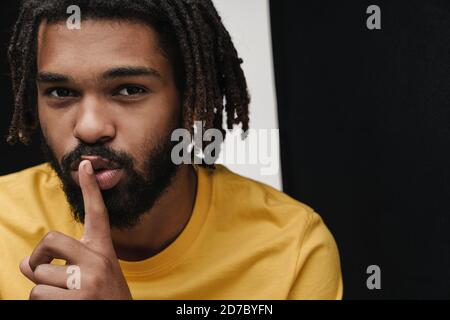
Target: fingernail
{"type": "Point", "coordinates": [88, 167]}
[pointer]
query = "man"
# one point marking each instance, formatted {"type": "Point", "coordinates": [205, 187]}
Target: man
{"type": "Point", "coordinates": [111, 216]}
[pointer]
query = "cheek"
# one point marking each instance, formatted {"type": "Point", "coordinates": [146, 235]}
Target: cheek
{"type": "Point", "coordinates": [57, 132]}
{"type": "Point", "coordinates": [139, 147]}
{"type": "Point", "coordinates": [55, 146]}
{"type": "Point", "coordinates": [143, 129]}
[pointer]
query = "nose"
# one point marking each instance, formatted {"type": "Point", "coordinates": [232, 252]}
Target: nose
{"type": "Point", "coordinates": [94, 121]}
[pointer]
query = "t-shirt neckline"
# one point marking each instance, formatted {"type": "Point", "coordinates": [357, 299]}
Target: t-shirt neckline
{"type": "Point", "coordinates": [168, 257]}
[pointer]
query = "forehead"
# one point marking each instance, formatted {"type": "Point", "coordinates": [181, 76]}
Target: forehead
{"type": "Point", "coordinates": [98, 45]}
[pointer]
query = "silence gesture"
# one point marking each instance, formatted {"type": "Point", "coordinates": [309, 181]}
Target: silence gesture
{"type": "Point", "coordinates": [92, 270]}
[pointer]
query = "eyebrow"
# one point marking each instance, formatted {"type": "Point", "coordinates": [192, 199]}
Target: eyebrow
{"type": "Point", "coordinates": [120, 72]}
{"type": "Point", "coordinates": [50, 77]}
{"type": "Point", "coordinates": [130, 72]}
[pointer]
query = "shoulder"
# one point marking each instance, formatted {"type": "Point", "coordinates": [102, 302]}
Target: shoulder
{"type": "Point", "coordinates": [40, 169]}
{"type": "Point", "coordinates": [258, 208]}
{"type": "Point", "coordinates": [23, 187]}
{"type": "Point", "coordinates": [272, 217]}
{"type": "Point", "coordinates": [259, 197]}
{"type": "Point", "coordinates": [18, 181]}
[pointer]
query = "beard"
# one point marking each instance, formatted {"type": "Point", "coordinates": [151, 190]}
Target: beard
{"type": "Point", "coordinates": [133, 196]}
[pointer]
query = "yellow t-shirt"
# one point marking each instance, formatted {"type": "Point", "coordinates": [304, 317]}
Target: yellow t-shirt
{"type": "Point", "coordinates": [244, 240]}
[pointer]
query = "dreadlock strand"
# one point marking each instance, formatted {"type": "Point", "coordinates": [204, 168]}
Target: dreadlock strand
{"type": "Point", "coordinates": [199, 78]}
{"type": "Point", "coordinates": [189, 92]}
{"type": "Point", "coordinates": [207, 61]}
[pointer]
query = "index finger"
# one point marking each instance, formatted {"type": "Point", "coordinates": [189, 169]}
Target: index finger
{"type": "Point", "coordinates": [97, 232]}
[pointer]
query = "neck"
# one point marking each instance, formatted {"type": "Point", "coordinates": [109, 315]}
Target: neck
{"type": "Point", "coordinates": [163, 223]}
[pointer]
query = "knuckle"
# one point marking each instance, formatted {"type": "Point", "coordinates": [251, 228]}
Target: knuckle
{"type": "Point", "coordinates": [36, 293]}
{"type": "Point", "coordinates": [39, 273]}
{"type": "Point", "coordinates": [48, 242]}
{"type": "Point", "coordinates": [50, 237]}
{"type": "Point", "coordinates": [97, 209]}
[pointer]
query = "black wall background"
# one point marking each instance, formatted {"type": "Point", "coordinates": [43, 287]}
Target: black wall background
{"type": "Point", "coordinates": [16, 157]}
{"type": "Point", "coordinates": [364, 119]}
{"type": "Point", "coordinates": [364, 123]}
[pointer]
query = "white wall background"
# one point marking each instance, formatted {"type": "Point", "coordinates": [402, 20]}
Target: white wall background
{"type": "Point", "coordinates": [248, 22]}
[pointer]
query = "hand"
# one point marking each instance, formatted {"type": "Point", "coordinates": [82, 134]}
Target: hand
{"type": "Point", "coordinates": [92, 258]}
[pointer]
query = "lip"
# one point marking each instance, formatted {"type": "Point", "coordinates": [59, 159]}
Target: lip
{"type": "Point", "coordinates": [97, 163]}
{"type": "Point", "coordinates": [107, 173]}
{"type": "Point", "coordinates": [106, 179]}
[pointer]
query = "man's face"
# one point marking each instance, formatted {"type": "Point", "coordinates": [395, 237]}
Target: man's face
{"type": "Point", "coordinates": [107, 91]}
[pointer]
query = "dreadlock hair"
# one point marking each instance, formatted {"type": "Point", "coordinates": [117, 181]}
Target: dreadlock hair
{"type": "Point", "coordinates": [207, 68]}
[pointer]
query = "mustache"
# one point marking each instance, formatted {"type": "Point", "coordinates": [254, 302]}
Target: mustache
{"type": "Point", "coordinates": [120, 158]}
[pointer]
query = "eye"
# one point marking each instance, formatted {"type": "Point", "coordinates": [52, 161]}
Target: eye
{"type": "Point", "coordinates": [60, 93]}
{"type": "Point", "coordinates": [131, 91]}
